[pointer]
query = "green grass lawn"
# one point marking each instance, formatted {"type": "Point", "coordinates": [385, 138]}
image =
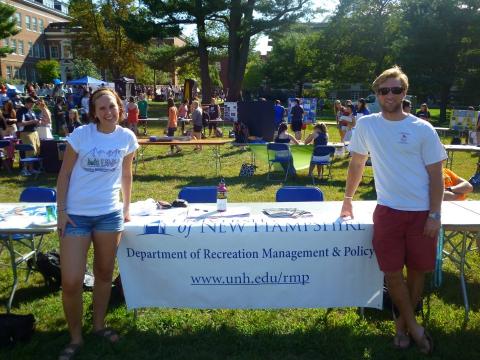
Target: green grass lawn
{"type": "Point", "coordinates": [240, 334]}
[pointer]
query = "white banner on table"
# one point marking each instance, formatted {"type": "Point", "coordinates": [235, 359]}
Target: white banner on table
{"type": "Point", "coordinates": [248, 263]}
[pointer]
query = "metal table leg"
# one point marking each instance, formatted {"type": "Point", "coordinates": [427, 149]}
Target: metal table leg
{"type": "Point", "coordinates": [140, 154]}
{"type": "Point", "coordinates": [216, 156]}
{"type": "Point", "coordinates": [13, 261]}
{"type": "Point", "coordinates": [462, 275]}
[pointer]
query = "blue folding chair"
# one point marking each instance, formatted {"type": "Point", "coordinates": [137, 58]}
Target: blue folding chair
{"type": "Point", "coordinates": [298, 193]}
{"type": "Point", "coordinates": [28, 241]}
{"type": "Point", "coordinates": [279, 153]}
{"type": "Point", "coordinates": [199, 194]}
{"type": "Point", "coordinates": [22, 149]}
{"type": "Point", "coordinates": [323, 155]}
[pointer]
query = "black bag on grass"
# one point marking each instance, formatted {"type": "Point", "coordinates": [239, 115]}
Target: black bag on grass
{"type": "Point", "coordinates": [247, 169]}
{"type": "Point", "coordinates": [49, 266]}
{"type": "Point", "coordinates": [456, 141]}
{"type": "Point", "coordinates": [14, 328]}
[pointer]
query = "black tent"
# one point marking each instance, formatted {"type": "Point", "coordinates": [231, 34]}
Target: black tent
{"type": "Point", "coordinates": [125, 87]}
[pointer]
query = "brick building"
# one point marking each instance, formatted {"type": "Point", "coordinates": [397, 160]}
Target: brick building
{"type": "Point", "coordinates": [39, 38]}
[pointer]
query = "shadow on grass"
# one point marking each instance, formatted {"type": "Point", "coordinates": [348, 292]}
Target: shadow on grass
{"type": "Point", "coordinates": [166, 340]}
{"type": "Point", "coordinates": [451, 291]}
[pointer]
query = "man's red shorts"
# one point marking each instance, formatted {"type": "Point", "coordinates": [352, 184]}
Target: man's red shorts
{"type": "Point", "coordinates": [398, 240]}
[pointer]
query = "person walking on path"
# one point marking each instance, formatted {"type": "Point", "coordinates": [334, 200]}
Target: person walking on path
{"type": "Point", "coordinates": [97, 166]}
{"type": "Point", "coordinates": [407, 160]}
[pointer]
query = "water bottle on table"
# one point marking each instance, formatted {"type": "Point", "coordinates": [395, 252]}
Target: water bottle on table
{"type": "Point", "coordinates": [51, 211]}
{"type": "Point", "coordinates": [222, 196]}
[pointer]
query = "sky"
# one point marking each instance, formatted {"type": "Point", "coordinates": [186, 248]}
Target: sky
{"type": "Point", "coordinates": [328, 5]}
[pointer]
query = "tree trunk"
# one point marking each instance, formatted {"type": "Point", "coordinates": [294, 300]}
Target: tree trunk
{"type": "Point", "coordinates": [444, 94]}
{"type": "Point", "coordinates": [203, 57]}
{"type": "Point", "coordinates": [238, 48]}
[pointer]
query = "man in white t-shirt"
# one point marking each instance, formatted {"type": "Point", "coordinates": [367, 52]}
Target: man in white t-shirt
{"type": "Point", "coordinates": [407, 160]}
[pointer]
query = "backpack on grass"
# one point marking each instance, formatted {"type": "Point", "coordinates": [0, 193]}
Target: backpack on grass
{"type": "Point", "coordinates": [15, 328]}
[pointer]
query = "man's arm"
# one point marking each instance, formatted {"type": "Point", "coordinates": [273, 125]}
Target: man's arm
{"type": "Point", "coordinates": [354, 176]}
{"type": "Point", "coordinates": [432, 225]}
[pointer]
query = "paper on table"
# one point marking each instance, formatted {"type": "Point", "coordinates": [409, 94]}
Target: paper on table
{"type": "Point", "coordinates": [15, 222]}
{"type": "Point", "coordinates": [203, 212]}
{"type": "Point", "coordinates": [142, 208]}
{"type": "Point", "coordinates": [286, 213]}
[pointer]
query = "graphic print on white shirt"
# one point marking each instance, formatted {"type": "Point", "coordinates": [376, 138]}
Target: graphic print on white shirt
{"type": "Point", "coordinates": [95, 182]}
{"type": "Point", "coordinates": [101, 160]}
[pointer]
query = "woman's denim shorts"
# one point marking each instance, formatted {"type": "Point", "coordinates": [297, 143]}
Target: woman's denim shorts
{"type": "Point", "coordinates": [112, 222]}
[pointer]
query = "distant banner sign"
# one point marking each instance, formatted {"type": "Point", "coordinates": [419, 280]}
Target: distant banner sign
{"type": "Point", "coordinates": [254, 262]}
{"type": "Point", "coordinates": [230, 112]}
{"type": "Point", "coordinates": [309, 106]}
{"type": "Point", "coordinates": [464, 120]}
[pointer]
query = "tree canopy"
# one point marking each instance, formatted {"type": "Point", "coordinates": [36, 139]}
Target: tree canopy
{"type": "Point", "coordinates": [8, 26]}
{"type": "Point", "coordinates": [102, 38]}
{"type": "Point", "coordinates": [229, 24]}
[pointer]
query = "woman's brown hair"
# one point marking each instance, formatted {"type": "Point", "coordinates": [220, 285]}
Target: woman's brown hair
{"type": "Point", "coordinates": [99, 93]}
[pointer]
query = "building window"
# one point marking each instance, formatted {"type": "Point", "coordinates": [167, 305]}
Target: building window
{"type": "Point", "coordinates": [23, 73]}
{"type": "Point", "coordinates": [34, 23]}
{"type": "Point", "coordinates": [48, 3]}
{"type": "Point", "coordinates": [27, 22]}
{"type": "Point", "coordinates": [41, 26]}
{"type": "Point", "coordinates": [36, 51]}
{"type": "Point", "coordinates": [54, 52]}
{"type": "Point", "coordinates": [18, 18]}
{"type": "Point", "coordinates": [42, 51]}
{"type": "Point", "coordinates": [13, 45]}
{"type": "Point", "coordinates": [21, 50]}
{"type": "Point", "coordinates": [30, 48]}
{"type": "Point", "coordinates": [8, 74]}
{"type": "Point", "coordinates": [67, 52]}
{"type": "Point", "coordinates": [6, 42]}
{"type": "Point", "coordinates": [16, 72]}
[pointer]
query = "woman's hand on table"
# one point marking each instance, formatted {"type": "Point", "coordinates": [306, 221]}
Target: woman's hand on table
{"type": "Point", "coordinates": [347, 209]}
{"type": "Point", "coordinates": [126, 215]}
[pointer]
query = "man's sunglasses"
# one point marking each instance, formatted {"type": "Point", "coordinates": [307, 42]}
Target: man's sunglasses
{"type": "Point", "coordinates": [397, 90]}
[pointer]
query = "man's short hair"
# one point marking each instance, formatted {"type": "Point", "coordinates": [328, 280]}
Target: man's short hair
{"type": "Point", "coordinates": [406, 103]}
{"type": "Point", "coordinates": [394, 72]}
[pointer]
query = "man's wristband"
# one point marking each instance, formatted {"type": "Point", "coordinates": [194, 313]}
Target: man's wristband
{"type": "Point", "coordinates": [348, 197]}
{"type": "Point", "coordinates": [435, 215]}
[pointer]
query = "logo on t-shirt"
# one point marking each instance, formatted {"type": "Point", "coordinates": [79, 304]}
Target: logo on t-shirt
{"type": "Point", "coordinates": [404, 138]}
{"type": "Point", "coordinates": [101, 160]}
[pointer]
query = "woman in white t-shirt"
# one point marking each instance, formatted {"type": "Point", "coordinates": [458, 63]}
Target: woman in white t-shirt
{"type": "Point", "coordinates": [44, 128]}
{"type": "Point", "coordinates": [97, 165]}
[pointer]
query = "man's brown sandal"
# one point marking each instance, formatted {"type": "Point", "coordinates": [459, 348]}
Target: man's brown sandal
{"type": "Point", "coordinates": [428, 338]}
{"type": "Point", "coordinates": [401, 341]}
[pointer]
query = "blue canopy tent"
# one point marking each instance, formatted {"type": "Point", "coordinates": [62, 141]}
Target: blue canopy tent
{"type": "Point", "coordinates": [86, 80]}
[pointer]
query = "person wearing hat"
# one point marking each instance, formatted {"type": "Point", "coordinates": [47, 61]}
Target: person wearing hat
{"type": "Point", "coordinates": [27, 123]}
